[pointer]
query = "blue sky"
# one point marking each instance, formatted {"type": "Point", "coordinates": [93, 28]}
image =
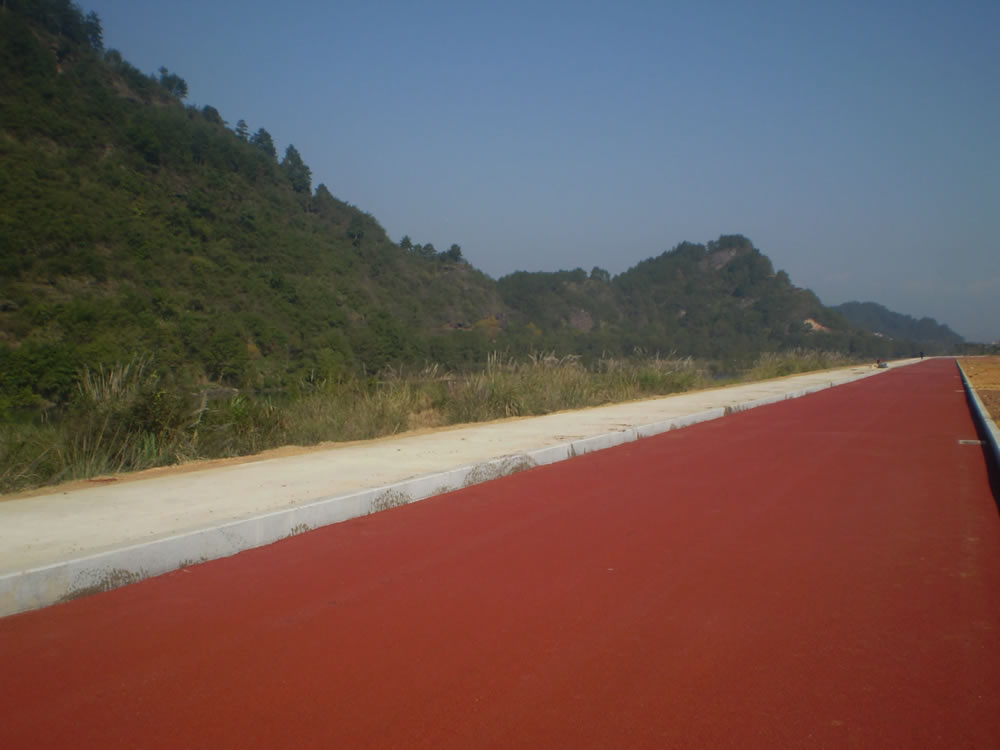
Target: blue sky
{"type": "Point", "coordinates": [856, 144]}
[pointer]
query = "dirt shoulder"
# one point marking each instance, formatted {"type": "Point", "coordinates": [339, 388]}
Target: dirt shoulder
{"type": "Point", "coordinates": [984, 374]}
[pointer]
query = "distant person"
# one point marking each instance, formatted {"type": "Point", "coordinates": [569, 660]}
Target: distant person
{"type": "Point", "coordinates": [921, 355]}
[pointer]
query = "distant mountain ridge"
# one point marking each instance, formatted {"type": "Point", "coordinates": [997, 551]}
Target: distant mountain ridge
{"type": "Point", "coordinates": [881, 321]}
{"type": "Point", "coordinates": [714, 300]}
{"type": "Point", "coordinates": [133, 225]}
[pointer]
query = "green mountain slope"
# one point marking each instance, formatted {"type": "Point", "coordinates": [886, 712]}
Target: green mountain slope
{"type": "Point", "coordinates": [720, 300]}
{"type": "Point", "coordinates": [133, 225]}
{"type": "Point", "coordinates": [721, 297]}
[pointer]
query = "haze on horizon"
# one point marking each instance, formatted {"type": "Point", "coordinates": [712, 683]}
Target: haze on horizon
{"type": "Point", "coordinates": [856, 144]}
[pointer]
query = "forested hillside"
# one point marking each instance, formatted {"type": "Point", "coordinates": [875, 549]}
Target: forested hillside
{"type": "Point", "coordinates": [133, 224]}
{"type": "Point", "coordinates": [723, 301]}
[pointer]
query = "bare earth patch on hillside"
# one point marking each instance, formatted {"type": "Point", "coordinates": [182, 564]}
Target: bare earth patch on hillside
{"type": "Point", "coordinates": [984, 374]}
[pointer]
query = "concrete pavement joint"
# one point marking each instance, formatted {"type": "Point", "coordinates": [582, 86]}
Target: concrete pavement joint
{"type": "Point", "coordinates": [41, 586]}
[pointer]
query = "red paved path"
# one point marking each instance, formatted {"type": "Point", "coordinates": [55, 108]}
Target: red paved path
{"type": "Point", "coordinates": [820, 573]}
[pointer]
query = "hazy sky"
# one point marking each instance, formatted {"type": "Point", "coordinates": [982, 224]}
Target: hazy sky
{"type": "Point", "coordinates": [856, 144]}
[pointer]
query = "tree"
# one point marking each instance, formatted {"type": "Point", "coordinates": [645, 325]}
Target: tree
{"type": "Point", "coordinates": [323, 200]}
{"type": "Point", "coordinates": [406, 243]}
{"type": "Point", "coordinates": [599, 274]}
{"type": "Point", "coordinates": [242, 132]}
{"type": "Point", "coordinates": [298, 174]}
{"type": "Point", "coordinates": [263, 140]}
{"type": "Point", "coordinates": [452, 254]}
{"type": "Point", "coordinates": [211, 114]}
{"type": "Point", "coordinates": [93, 31]}
{"type": "Point", "coordinates": [173, 83]}
{"type": "Point", "coordinates": [356, 231]}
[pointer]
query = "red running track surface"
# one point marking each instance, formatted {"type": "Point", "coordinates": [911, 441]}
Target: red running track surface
{"type": "Point", "coordinates": [823, 572]}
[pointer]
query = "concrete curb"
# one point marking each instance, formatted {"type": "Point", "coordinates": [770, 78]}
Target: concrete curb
{"type": "Point", "coordinates": [982, 418]}
{"type": "Point", "coordinates": [50, 584]}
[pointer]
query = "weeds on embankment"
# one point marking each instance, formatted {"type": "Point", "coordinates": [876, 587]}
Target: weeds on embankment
{"type": "Point", "coordinates": [129, 418]}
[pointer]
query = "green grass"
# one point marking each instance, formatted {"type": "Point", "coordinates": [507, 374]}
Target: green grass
{"type": "Point", "coordinates": [127, 418]}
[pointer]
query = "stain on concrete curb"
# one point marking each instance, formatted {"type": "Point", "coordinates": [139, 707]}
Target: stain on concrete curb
{"type": "Point", "coordinates": [111, 579]}
{"type": "Point", "coordinates": [502, 467]}
{"type": "Point", "coordinates": [389, 499]}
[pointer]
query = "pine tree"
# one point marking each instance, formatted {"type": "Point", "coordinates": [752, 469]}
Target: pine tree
{"type": "Point", "coordinates": [263, 140]}
{"type": "Point", "coordinates": [298, 174]}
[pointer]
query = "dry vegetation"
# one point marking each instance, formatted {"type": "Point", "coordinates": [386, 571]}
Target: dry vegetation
{"type": "Point", "coordinates": [984, 373]}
